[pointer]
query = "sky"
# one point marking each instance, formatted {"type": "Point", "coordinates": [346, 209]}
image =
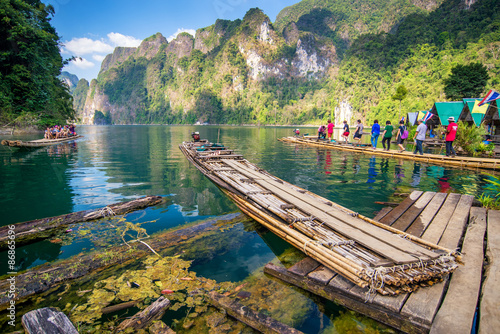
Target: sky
{"type": "Point", "coordinates": [91, 29]}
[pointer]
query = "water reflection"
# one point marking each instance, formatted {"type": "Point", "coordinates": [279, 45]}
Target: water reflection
{"type": "Point", "coordinates": [112, 164]}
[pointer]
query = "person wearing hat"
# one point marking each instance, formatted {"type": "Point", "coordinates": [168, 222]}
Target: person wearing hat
{"type": "Point", "coordinates": [451, 134]}
{"type": "Point", "coordinates": [420, 137]}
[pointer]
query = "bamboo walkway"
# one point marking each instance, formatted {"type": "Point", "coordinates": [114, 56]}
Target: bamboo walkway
{"type": "Point", "coordinates": [445, 307]}
{"type": "Point", "coordinates": [475, 163]}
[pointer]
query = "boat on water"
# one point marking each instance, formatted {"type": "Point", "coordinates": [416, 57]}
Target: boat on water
{"type": "Point", "coordinates": [38, 142]}
{"type": "Point", "coordinates": [365, 252]}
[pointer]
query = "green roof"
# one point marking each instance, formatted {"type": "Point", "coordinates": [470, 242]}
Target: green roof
{"type": "Point", "coordinates": [447, 109]}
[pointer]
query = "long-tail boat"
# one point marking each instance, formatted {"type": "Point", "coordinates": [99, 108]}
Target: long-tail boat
{"type": "Point", "coordinates": [38, 142]}
{"type": "Point", "coordinates": [366, 252]}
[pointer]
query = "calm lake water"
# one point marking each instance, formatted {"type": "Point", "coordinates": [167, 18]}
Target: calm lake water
{"type": "Point", "coordinates": [118, 163]}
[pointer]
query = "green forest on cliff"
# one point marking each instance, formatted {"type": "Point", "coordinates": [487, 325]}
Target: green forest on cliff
{"type": "Point", "coordinates": [30, 62]}
{"type": "Point", "coordinates": [369, 48]}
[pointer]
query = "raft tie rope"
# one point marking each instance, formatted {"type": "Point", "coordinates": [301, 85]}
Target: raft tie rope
{"type": "Point", "coordinates": [332, 243]}
{"type": "Point", "coordinates": [376, 281]}
{"type": "Point", "coordinates": [308, 241]}
{"type": "Point", "coordinates": [107, 211]}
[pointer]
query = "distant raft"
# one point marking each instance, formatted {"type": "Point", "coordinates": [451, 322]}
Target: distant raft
{"type": "Point", "coordinates": [364, 251]}
{"type": "Point", "coordinates": [38, 142]}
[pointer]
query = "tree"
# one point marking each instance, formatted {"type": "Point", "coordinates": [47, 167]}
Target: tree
{"type": "Point", "coordinates": [30, 63]}
{"type": "Point", "coordinates": [466, 81]}
{"type": "Point", "coordinates": [400, 95]}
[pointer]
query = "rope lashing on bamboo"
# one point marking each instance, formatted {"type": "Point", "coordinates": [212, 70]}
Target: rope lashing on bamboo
{"type": "Point", "coordinates": [107, 211]}
{"type": "Point", "coordinates": [333, 244]}
{"type": "Point", "coordinates": [376, 281]}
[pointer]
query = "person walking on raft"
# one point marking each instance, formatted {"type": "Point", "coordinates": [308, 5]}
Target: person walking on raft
{"type": "Point", "coordinates": [451, 134]}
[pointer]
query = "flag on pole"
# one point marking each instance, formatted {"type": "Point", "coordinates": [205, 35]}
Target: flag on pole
{"type": "Point", "coordinates": [428, 116]}
{"type": "Point", "coordinates": [491, 96]}
{"type": "Point", "coordinates": [479, 109]}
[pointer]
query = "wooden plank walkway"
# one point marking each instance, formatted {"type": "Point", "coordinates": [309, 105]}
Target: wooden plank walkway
{"type": "Point", "coordinates": [445, 307]}
{"type": "Point", "coordinates": [474, 163]}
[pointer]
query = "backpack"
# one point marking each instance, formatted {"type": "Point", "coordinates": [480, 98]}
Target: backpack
{"type": "Point", "coordinates": [404, 135]}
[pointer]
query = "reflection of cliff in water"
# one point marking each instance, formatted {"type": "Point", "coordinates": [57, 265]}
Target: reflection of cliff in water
{"type": "Point", "coordinates": [36, 183]}
{"type": "Point", "coordinates": [32, 255]}
{"type": "Point", "coordinates": [147, 161]}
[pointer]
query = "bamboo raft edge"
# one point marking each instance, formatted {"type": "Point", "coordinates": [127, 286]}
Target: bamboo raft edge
{"type": "Point", "coordinates": [473, 163]}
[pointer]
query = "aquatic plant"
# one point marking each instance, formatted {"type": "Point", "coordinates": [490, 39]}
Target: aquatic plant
{"type": "Point", "coordinates": [491, 202]}
{"type": "Point", "coordinates": [169, 275]}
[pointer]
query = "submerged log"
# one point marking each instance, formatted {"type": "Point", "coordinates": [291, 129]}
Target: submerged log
{"type": "Point", "coordinates": [256, 320]}
{"type": "Point", "coordinates": [142, 319]}
{"type": "Point", "coordinates": [47, 320]}
{"type": "Point", "coordinates": [50, 275]}
{"type": "Point", "coordinates": [33, 230]}
{"type": "Point", "coordinates": [119, 307]}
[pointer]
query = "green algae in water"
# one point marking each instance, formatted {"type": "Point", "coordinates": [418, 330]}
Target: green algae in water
{"type": "Point", "coordinates": [159, 274]}
{"type": "Point", "coordinates": [354, 323]}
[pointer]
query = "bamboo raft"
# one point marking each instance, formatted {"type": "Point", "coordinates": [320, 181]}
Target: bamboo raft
{"type": "Point", "coordinates": [38, 142]}
{"type": "Point", "coordinates": [458, 161]}
{"type": "Point", "coordinates": [364, 251]}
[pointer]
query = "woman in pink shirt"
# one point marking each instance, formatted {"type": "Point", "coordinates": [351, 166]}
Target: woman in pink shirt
{"type": "Point", "coordinates": [330, 129]}
{"type": "Point", "coordinates": [451, 134]}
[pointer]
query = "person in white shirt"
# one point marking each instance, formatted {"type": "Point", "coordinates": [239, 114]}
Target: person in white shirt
{"type": "Point", "coordinates": [420, 137]}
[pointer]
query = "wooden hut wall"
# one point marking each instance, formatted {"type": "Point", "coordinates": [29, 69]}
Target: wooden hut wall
{"type": "Point", "coordinates": [435, 121]}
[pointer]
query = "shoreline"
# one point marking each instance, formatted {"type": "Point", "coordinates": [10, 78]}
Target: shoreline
{"type": "Point", "coordinates": [12, 130]}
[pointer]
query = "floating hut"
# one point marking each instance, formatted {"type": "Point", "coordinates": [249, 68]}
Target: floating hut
{"type": "Point", "coordinates": [443, 110]}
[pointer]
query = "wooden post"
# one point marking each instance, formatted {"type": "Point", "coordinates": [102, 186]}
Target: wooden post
{"type": "Point", "coordinates": [47, 320]}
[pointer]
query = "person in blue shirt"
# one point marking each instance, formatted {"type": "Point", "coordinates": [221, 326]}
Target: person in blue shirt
{"type": "Point", "coordinates": [375, 133]}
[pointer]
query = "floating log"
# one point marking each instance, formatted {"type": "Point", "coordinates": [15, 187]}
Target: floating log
{"type": "Point", "coordinates": [34, 281]}
{"type": "Point", "coordinates": [38, 142]}
{"type": "Point", "coordinates": [33, 230]}
{"type": "Point", "coordinates": [47, 320]}
{"type": "Point", "coordinates": [144, 318]}
{"type": "Point", "coordinates": [366, 252]}
{"type": "Point", "coordinates": [256, 320]}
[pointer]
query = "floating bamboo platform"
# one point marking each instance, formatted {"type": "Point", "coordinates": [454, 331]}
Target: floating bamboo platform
{"type": "Point", "coordinates": [458, 161]}
{"type": "Point", "coordinates": [445, 307]}
{"type": "Point", "coordinates": [364, 251]}
{"type": "Point", "coordinates": [38, 142]}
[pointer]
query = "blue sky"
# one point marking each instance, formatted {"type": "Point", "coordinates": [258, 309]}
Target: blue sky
{"type": "Point", "coordinates": [91, 29]}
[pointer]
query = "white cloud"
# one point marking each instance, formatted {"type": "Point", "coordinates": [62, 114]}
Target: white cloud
{"type": "Point", "coordinates": [189, 31]}
{"type": "Point", "coordinates": [82, 46]}
{"type": "Point", "coordinates": [98, 58]}
{"type": "Point", "coordinates": [118, 39]}
{"type": "Point", "coordinates": [95, 50]}
{"type": "Point", "coordinates": [83, 63]}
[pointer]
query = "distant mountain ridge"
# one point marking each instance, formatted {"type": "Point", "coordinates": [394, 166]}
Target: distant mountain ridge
{"type": "Point", "coordinates": [317, 58]}
{"type": "Point", "coordinates": [69, 79]}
